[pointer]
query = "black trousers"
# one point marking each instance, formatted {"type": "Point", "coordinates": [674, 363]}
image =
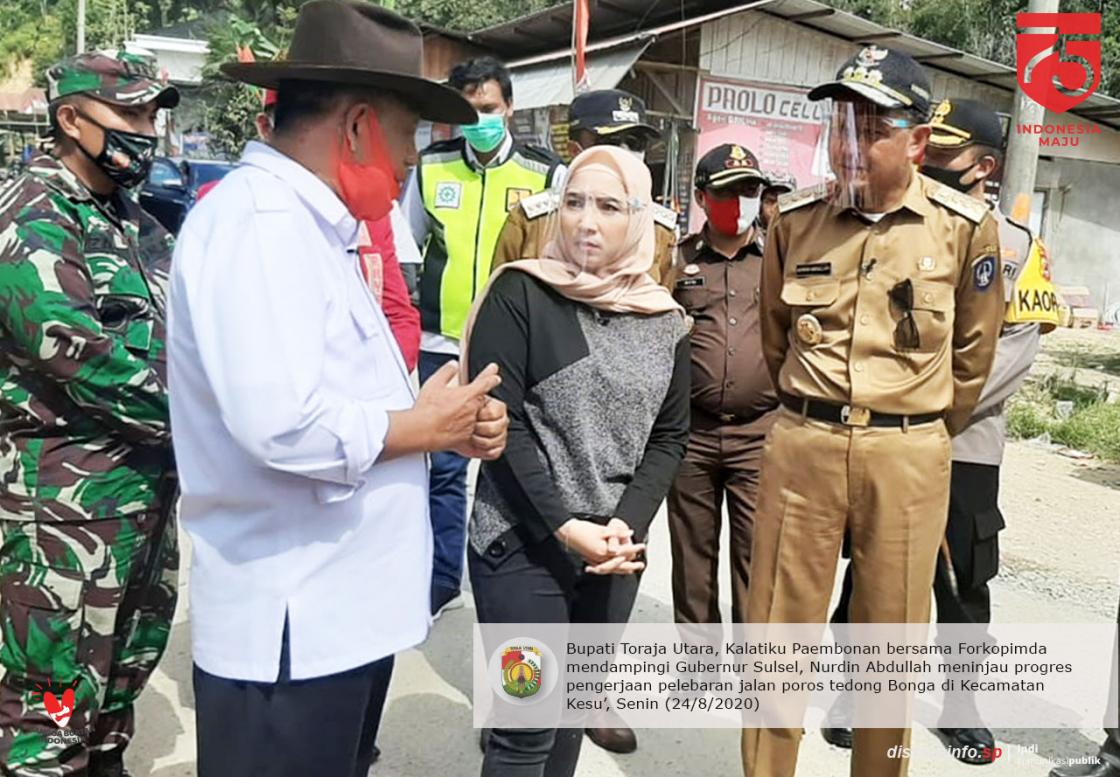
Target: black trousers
{"type": "Point", "coordinates": [323, 726]}
{"type": "Point", "coordinates": [972, 533]}
{"type": "Point", "coordinates": [518, 583]}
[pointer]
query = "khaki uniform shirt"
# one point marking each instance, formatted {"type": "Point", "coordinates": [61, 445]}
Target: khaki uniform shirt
{"type": "Point", "coordinates": [830, 329]}
{"type": "Point", "coordinates": [529, 223]}
{"type": "Point", "coordinates": [721, 295]}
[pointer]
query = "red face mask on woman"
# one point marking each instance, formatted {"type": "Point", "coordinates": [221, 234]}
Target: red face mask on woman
{"type": "Point", "coordinates": [368, 188]}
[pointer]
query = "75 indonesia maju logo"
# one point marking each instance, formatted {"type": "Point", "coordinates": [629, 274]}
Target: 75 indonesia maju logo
{"type": "Point", "coordinates": [1055, 72]}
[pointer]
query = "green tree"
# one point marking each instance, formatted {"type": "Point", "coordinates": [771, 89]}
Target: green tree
{"type": "Point", "coordinates": [466, 14]}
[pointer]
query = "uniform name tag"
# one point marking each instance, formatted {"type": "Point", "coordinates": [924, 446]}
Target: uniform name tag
{"type": "Point", "coordinates": [811, 270]}
{"type": "Point", "coordinates": [688, 283]}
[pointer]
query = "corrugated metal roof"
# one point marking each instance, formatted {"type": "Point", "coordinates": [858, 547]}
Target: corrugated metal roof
{"type": "Point", "coordinates": [548, 83]}
{"type": "Point", "coordinates": [550, 31]}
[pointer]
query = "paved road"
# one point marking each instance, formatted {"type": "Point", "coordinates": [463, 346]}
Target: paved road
{"type": "Point", "coordinates": [1061, 558]}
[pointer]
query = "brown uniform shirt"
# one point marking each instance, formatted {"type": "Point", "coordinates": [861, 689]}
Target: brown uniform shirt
{"type": "Point", "coordinates": [721, 295]}
{"type": "Point", "coordinates": [528, 224]}
{"type": "Point", "coordinates": [834, 266]}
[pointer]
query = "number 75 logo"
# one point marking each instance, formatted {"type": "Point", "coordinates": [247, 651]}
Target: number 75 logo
{"type": "Point", "coordinates": [1063, 77]}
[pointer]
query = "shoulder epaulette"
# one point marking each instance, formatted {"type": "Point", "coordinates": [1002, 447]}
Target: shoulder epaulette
{"type": "Point", "coordinates": [666, 217]}
{"type": "Point", "coordinates": [972, 209]}
{"type": "Point", "coordinates": [540, 204]}
{"type": "Point", "coordinates": [801, 197]}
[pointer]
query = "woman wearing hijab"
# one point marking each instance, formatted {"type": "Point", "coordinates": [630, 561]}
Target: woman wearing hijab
{"type": "Point", "coordinates": [595, 375]}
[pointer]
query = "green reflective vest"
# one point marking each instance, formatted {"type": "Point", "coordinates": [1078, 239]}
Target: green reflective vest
{"type": "Point", "coordinates": [467, 207]}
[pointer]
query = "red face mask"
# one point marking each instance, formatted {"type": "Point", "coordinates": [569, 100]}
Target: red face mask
{"type": "Point", "coordinates": [368, 188]}
{"type": "Point", "coordinates": [732, 216]}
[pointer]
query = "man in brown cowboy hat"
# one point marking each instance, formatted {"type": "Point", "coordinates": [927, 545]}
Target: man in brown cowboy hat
{"type": "Point", "coordinates": [299, 439]}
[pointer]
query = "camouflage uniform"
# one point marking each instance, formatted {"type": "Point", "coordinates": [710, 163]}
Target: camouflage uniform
{"type": "Point", "coordinates": [88, 551]}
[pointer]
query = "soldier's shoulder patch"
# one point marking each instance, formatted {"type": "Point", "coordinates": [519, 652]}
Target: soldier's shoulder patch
{"type": "Point", "coordinates": [666, 217]}
{"type": "Point", "coordinates": [537, 205]}
{"type": "Point", "coordinates": [801, 198]}
{"type": "Point", "coordinates": [961, 204]}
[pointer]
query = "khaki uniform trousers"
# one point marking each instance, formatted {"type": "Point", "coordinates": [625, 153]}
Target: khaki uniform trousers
{"type": "Point", "coordinates": [889, 488]}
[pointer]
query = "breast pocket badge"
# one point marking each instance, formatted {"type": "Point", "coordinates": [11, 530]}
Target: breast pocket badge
{"type": "Point", "coordinates": [809, 329]}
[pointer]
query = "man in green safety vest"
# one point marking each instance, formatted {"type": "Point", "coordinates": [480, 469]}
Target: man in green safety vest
{"type": "Point", "coordinates": [456, 204]}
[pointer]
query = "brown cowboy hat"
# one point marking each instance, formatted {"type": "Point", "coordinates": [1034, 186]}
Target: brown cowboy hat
{"type": "Point", "coordinates": [355, 42]}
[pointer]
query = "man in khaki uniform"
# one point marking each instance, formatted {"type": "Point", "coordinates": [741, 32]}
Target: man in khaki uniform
{"type": "Point", "coordinates": [881, 304]}
{"type": "Point", "coordinates": [733, 401]}
{"type": "Point", "coordinates": [603, 117]}
{"type": "Point", "coordinates": [964, 152]}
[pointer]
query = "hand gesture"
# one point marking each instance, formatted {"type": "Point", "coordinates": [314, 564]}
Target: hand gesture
{"type": "Point", "coordinates": [452, 411]}
{"type": "Point", "coordinates": [488, 440]}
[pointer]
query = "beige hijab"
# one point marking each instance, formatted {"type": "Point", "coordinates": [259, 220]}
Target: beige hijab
{"type": "Point", "coordinates": [624, 284]}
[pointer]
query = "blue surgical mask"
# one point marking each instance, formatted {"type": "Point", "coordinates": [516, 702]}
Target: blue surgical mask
{"type": "Point", "coordinates": [487, 134]}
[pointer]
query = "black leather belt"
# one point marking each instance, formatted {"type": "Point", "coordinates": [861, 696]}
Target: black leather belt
{"type": "Point", "coordinates": [850, 415]}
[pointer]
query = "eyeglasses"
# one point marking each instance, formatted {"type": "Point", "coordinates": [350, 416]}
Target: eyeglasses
{"type": "Point", "coordinates": [631, 141]}
{"type": "Point", "coordinates": [906, 336]}
{"type": "Point", "coordinates": [875, 126]}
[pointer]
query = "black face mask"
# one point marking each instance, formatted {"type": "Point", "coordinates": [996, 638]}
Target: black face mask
{"type": "Point", "coordinates": [954, 179]}
{"type": "Point", "coordinates": [126, 157]}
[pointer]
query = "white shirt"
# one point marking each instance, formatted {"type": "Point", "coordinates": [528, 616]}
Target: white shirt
{"type": "Point", "coordinates": [283, 370]}
{"type": "Point", "coordinates": [421, 224]}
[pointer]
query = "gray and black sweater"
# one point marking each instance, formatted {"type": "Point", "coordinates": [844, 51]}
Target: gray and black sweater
{"type": "Point", "coordinates": [598, 411]}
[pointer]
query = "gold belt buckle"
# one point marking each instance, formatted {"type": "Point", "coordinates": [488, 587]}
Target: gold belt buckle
{"type": "Point", "coordinates": [855, 416]}
{"type": "Point", "coordinates": [726, 418]}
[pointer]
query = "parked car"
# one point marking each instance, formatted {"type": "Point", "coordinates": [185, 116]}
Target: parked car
{"type": "Point", "coordinates": [173, 184]}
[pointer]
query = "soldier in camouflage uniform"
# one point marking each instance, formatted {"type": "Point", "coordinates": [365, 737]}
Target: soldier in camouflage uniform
{"type": "Point", "coordinates": [89, 560]}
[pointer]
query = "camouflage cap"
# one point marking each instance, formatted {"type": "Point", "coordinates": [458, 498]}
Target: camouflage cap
{"type": "Point", "coordinates": [118, 79]}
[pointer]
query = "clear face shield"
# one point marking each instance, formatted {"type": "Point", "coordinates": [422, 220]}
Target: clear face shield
{"type": "Point", "coordinates": [597, 224]}
{"type": "Point", "coordinates": [864, 170]}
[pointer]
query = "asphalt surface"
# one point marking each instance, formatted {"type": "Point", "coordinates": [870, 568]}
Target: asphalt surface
{"type": "Point", "coordinates": [1061, 557]}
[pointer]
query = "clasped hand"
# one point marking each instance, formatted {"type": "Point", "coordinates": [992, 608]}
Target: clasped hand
{"type": "Point", "coordinates": [608, 550]}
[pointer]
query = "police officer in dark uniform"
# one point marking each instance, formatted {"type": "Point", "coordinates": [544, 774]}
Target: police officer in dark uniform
{"type": "Point", "coordinates": [733, 401]}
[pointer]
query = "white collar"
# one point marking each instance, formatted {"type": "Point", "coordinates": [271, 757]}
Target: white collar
{"type": "Point", "coordinates": [504, 152]}
{"type": "Point", "coordinates": [309, 187]}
